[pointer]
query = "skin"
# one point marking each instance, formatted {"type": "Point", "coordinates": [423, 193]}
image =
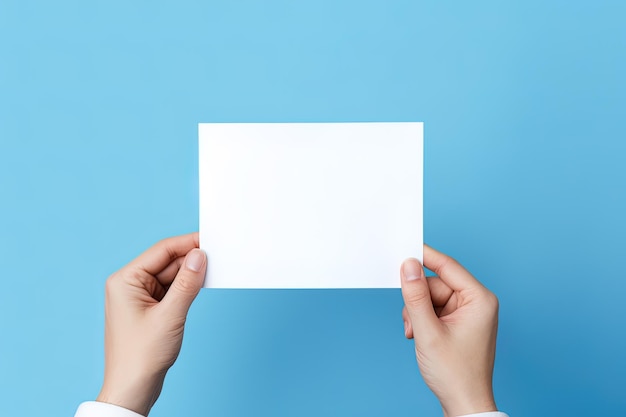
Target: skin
{"type": "Point", "coordinates": [452, 318]}
{"type": "Point", "coordinates": [145, 311]}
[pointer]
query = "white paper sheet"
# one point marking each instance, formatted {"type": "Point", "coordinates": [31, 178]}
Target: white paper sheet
{"type": "Point", "coordinates": [310, 205]}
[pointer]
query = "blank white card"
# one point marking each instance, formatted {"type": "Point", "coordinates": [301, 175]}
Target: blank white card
{"type": "Point", "coordinates": [310, 205]}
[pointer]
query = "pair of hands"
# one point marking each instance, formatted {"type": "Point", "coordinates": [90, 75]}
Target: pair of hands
{"type": "Point", "coordinates": [452, 318]}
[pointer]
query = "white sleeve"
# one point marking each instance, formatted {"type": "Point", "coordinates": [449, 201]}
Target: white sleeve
{"type": "Point", "coordinates": [98, 409]}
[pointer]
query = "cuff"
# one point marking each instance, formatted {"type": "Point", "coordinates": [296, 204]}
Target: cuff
{"type": "Point", "coordinates": [98, 409]}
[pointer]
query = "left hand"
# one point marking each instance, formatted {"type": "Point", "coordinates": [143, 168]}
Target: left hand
{"type": "Point", "coordinates": [146, 307]}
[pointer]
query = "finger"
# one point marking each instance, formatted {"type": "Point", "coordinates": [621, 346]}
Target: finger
{"type": "Point", "coordinates": [158, 291]}
{"type": "Point", "coordinates": [419, 305]}
{"type": "Point", "coordinates": [450, 307]}
{"type": "Point", "coordinates": [408, 329]}
{"type": "Point", "coordinates": [168, 274]}
{"type": "Point", "coordinates": [163, 253]}
{"type": "Point", "coordinates": [441, 296]}
{"type": "Point", "coordinates": [449, 270]}
{"type": "Point", "coordinates": [141, 280]}
{"type": "Point", "coordinates": [186, 285]}
{"type": "Point", "coordinates": [440, 293]}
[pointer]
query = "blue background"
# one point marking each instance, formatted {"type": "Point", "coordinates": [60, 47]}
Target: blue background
{"type": "Point", "coordinates": [524, 107]}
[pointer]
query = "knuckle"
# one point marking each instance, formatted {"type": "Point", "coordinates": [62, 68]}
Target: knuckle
{"type": "Point", "coordinates": [493, 301]}
{"type": "Point", "coordinates": [126, 277]}
{"type": "Point", "coordinates": [448, 260]}
{"type": "Point", "coordinates": [137, 277]}
{"type": "Point", "coordinates": [185, 284]}
{"type": "Point", "coordinates": [445, 264]}
{"type": "Point", "coordinates": [163, 242]}
{"type": "Point", "coordinates": [417, 297]}
{"type": "Point", "coordinates": [165, 245]}
{"type": "Point", "coordinates": [111, 283]}
{"type": "Point", "coordinates": [490, 301]}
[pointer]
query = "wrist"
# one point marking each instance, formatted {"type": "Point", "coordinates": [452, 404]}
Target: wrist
{"type": "Point", "coordinates": [135, 394]}
{"type": "Point", "coordinates": [471, 405]}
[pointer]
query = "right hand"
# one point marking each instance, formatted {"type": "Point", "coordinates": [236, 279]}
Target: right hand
{"type": "Point", "coordinates": [453, 319]}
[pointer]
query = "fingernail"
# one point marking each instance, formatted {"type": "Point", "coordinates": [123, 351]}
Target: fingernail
{"type": "Point", "coordinates": [405, 329]}
{"type": "Point", "coordinates": [195, 260]}
{"type": "Point", "coordinates": [412, 269]}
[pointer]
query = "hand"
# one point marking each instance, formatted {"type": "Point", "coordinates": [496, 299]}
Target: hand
{"type": "Point", "coordinates": [146, 307]}
{"type": "Point", "coordinates": [454, 321]}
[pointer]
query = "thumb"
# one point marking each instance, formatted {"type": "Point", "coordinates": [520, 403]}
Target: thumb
{"type": "Point", "coordinates": [419, 305]}
{"type": "Point", "coordinates": [186, 285]}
